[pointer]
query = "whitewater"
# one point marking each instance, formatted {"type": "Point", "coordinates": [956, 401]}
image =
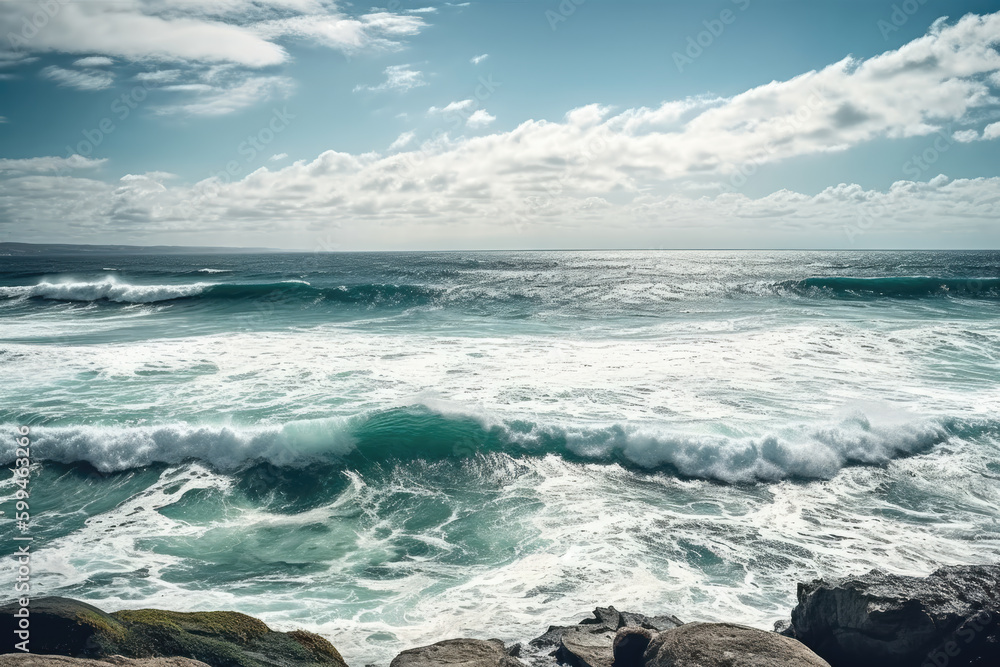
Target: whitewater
{"type": "Point", "coordinates": [391, 448]}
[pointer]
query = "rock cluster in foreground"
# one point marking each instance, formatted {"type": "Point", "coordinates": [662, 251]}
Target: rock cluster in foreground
{"type": "Point", "coordinates": [948, 619]}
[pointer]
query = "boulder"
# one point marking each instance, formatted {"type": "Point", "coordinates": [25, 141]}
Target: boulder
{"type": "Point", "coordinates": [949, 618]}
{"type": "Point", "coordinates": [726, 645]}
{"type": "Point", "coordinates": [590, 643]}
{"type": "Point", "coordinates": [458, 653]}
{"type": "Point", "coordinates": [62, 626]}
{"type": "Point", "coordinates": [31, 660]}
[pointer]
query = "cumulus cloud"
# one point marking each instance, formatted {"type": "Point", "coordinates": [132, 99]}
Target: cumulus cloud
{"type": "Point", "coordinates": [480, 118]}
{"type": "Point", "coordinates": [81, 80]}
{"type": "Point", "coordinates": [403, 140]}
{"type": "Point", "coordinates": [277, 157]}
{"type": "Point", "coordinates": [624, 176]}
{"type": "Point", "coordinates": [399, 78]}
{"type": "Point", "coordinates": [992, 131]}
{"type": "Point", "coordinates": [452, 107]}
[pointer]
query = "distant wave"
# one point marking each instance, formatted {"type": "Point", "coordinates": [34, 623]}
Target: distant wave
{"type": "Point", "coordinates": [214, 271]}
{"type": "Point", "coordinates": [895, 287]}
{"type": "Point", "coordinates": [408, 295]}
{"type": "Point", "coordinates": [290, 290]}
{"type": "Point", "coordinates": [107, 290]}
{"type": "Point", "coordinates": [416, 433]}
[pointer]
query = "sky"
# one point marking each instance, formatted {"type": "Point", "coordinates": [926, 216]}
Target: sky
{"type": "Point", "coordinates": [321, 125]}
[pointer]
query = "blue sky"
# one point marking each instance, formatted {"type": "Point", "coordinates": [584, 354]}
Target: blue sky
{"type": "Point", "coordinates": [501, 124]}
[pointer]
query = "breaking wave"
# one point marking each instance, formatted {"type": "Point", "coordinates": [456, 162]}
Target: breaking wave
{"type": "Point", "coordinates": [416, 433]}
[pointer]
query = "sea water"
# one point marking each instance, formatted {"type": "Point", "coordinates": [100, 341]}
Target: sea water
{"type": "Point", "coordinates": [394, 449]}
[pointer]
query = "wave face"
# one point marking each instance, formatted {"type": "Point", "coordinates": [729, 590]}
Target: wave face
{"type": "Point", "coordinates": [905, 287]}
{"type": "Point", "coordinates": [276, 293]}
{"type": "Point", "coordinates": [802, 452]}
{"type": "Point", "coordinates": [391, 448]}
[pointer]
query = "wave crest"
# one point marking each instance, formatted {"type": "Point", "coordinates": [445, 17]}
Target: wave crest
{"type": "Point", "coordinates": [418, 434]}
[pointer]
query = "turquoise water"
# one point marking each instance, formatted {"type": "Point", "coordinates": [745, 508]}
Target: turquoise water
{"type": "Point", "coordinates": [391, 449]}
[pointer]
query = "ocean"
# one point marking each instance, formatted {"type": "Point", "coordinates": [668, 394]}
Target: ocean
{"type": "Point", "coordinates": [392, 449]}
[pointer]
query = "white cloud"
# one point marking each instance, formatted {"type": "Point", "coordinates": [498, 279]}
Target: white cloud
{"type": "Point", "coordinates": [453, 107]}
{"type": "Point", "coordinates": [615, 177]}
{"type": "Point", "coordinates": [226, 97]}
{"type": "Point", "coordinates": [992, 131]}
{"type": "Point", "coordinates": [423, 10]}
{"type": "Point", "coordinates": [3, 119]}
{"type": "Point", "coordinates": [403, 140]}
{"type": "Point", "coordinates": [965, 136]}
{"type": "Point", "coordinates": [397, 77]}
{"type": "Point", "coordinates": [277, 157]}
{"type": "Point", "coordinates": [380, 30]}
{"type": "Point", "coordinates": [158, 76]}
{"type": "Point", "coordinates": [33, 165]}
{"type": "Point", "coordinates": [475, 60]}
{"type": "Point", "coordinates": [94, 61]}
{"type": "Point", "coordinates": [480, 118]}
{"type": "Point", "coordinates": [85, 80]}
{"type": "Point", "coordinates": [240, 32]}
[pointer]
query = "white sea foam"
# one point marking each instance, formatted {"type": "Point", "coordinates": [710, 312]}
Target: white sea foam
{"type": "Point", "coordinates": [109, 289]}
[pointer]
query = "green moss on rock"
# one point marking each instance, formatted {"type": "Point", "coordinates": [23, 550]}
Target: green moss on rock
{"type": "Point", "coordinates": [218, 638]}
{"type": "Point", "coordinates": [315, 644]}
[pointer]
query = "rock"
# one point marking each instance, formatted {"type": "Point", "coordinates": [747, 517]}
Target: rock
{"type": "Point", "coordinates": [726, 645]}
{"type": "Point", "coordinates": [948, 618]}
{"type": "Point", "coordinates": [31, 660]}
{"type": "Point", "coordinates": [590, 643]}
{"type": "Point", "coordinates": [582, 648]}
{"type": "Point", "coordinates": [458, 653]}
{"type": "Point", "coordinates": [784, 627]}
{"type": "Point", "coordinates": [629, 646]}
{"type": "Point", "coordinates": [62, 626]}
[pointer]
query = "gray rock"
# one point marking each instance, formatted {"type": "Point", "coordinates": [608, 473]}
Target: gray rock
{"type": "Point", "coordinates": [727, 645]}
{"type": "Point", "coordinates": [949, 618]}
{"type": "Point", "coordinates": [582, 648]}
{"type": "Point", "coordinates": [458, 653]}
{"type": "Point", "coordinates": [31, 660]}
{"type": "Point", "coordinates": [590, 643]}
{"type": "Point", "coordinates": [629, 646]}
{"type": "Point", "coordinates": [605, 620]}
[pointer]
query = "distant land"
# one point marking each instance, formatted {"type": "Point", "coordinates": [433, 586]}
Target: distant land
{"type": "Point", "coordinates": [19, 249]}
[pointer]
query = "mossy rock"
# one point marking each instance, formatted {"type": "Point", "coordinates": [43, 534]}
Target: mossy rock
{"type": "Point", "coordinates": [218, 638]}
{"type": "Point", "coordinates": [62, 626]}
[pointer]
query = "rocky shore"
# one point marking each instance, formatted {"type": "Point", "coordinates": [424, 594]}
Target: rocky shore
{"type": "Point", "coordinates": [950, 618]}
